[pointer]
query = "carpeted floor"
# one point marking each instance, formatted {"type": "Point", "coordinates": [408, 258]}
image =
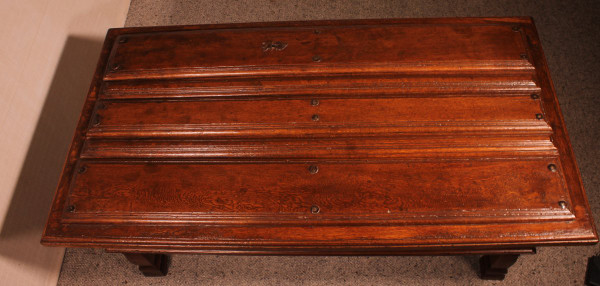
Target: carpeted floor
{"type": "Point", "coordinates": [571, 39]}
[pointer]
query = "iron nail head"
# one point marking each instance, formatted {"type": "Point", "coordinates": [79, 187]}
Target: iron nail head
{"type": "Point", "coordinates": [562, 204]}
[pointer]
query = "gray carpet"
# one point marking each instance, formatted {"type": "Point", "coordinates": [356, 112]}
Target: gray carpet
{"type": "Point", "coordinates": [571, 39]}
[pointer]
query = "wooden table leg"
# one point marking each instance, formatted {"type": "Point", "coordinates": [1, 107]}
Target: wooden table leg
{"type": "Point", "coordinates": [495, 267]}
{"type": "Point", "coordinates": [150, 264]}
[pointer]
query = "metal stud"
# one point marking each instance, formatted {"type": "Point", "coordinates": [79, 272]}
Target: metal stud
{"type": "Point", "coordinates": [317, 32]}
{"type": "Point", "coordinates": [539, 116]}
{"type": "Point", "coordinates": [71, 208]}
{"type": "Point", "coordinates": [316, 58]}
{"type": "Point", "coordinates": [552, 167]}
{"type": "Point", "coordinates": [516, 28]}
{"type": "Point", "coordinates": [315, 209]}
{"type": "Point", "coordinates": [524, 56]}
{"type": "Point", "coordinates": [123, 40]}
{"type": "Point", "coordinates": [562, 204]}
{"type": "Point", "coordinates": [116, 67]}
{"type": "Point", "coordinates": [314, 102]}
{"type": "Point", "coordinates": [535, 96]}
{"type": "Point", "coordinates": [82, 169]}
{"type": "Point", "coordinates": [313, 169]}
{"type": "Point", "coordinates": [315, 117]}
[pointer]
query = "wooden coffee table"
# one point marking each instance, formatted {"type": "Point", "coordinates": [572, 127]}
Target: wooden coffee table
{"type": "Point", "coordinates": [362, 137]}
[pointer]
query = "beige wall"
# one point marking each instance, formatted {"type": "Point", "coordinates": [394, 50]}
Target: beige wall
{"type": "Point", "coordinates": [48, 52]}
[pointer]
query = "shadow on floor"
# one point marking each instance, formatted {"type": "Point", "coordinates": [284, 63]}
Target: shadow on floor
{"type": "Point", "coordinates": [32, 197]}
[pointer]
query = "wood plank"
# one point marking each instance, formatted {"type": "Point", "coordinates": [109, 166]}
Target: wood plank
{"type": "Point", "coordinates": [315, 50]}
{"type": "Point", "coordinates": [270, 117]}
{"type": "Point", "coordinates": [434, 147]}
{"type": "Point", "coordinates": [262, 193]}
{"type": "Point", "coordinates": [508, 84]}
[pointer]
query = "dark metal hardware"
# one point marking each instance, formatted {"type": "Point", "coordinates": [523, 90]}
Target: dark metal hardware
{"type": "Point", "coordinates": [277, 46]}
{"type": "Point", "coordinates": [562, 204]}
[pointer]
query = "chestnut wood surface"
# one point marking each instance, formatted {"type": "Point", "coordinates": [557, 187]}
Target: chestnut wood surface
{"type": "Point", "coordinates": [357, 137]}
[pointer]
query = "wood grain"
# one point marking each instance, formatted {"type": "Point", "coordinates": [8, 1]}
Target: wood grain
{"type": "Point", "coordinates": [345, 193]}
{"type": "Point", "coordinates": [340, 49]}
{"type": "Point", "coordinates": [408, 148]}
{"type": "Point", "coordinates": [503, 83]}
{"type": "Point", "coordinates": [432, 136]}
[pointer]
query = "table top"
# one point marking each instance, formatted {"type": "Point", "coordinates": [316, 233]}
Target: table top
{"type": "Point", "coordinates": [398, 136]}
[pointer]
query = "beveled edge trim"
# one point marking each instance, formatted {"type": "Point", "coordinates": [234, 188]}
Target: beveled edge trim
{"type": "Point", "coordinates": [334, 252]}
{"type": "Point", "coordinates": [232, 246]}
{"type": "Point", "coordinates": [434, 147]}
{"type": "Point", "coordinates": [303, 219]}
{"type": "Point", "coordinates": [554, 117]}
{"type": "Point", "coordinates": [425, 68]}
{"type": "Point", "coordinates": [310, 130]}
{"type": "Point", "coordinates": [281, 88]}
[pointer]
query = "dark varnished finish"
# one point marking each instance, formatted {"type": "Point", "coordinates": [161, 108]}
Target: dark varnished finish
{"type": "Point", "coordinates": [149, 264]}
{"type": "Point", "coordinates": [370, 137]}
{"type": "Point", "coordinates": [495, 267]}
{"type": "Point", "coordinates": [346, 193]}
{"type": "Point", "coordinates": [337, 49]}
